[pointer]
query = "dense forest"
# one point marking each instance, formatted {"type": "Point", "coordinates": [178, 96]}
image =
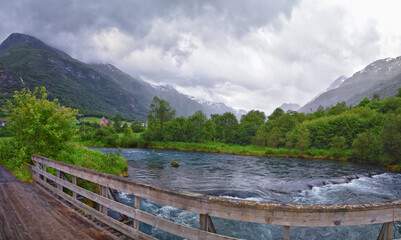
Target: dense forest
{"type": "Point", "coordinates": [368, 133]}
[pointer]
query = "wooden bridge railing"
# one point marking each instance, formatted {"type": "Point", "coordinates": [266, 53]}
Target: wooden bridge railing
{"type": "Point", "coordinates": [286, 215]}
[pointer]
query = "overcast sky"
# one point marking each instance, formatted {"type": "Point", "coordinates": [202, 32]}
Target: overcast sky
{"type": "Point", "coordinates": [253, 54]}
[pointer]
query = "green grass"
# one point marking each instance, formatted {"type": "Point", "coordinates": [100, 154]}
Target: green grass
{"type": "Point", "coordinates": [73, 154]}
{"type": "Point", "coordinates": [250, 150]}
{"type": "Point", "coordinates": [5, 138]}
{"type": "Point", "coordinates": [92, 119]}
{"type": "Point", "coordinates": [97, 120]}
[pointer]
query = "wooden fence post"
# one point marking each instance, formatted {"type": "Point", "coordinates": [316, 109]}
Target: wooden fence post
{"type": "Point", "coordinates": [44, 169]}
{"type": "Point", "coordinates": [103, 192]}
{"type": "Point", "coordinates": [386, 232]}
{"type": "Point", "coordinates": [137, 205]}
{"type": "Point", "coordinates": [286, 232]}
{"type": "Point", "coordinates": [59, 186]}
{"type": "Point", "coordinates": [74, 181]}
{"type": "Point", "coordinates": [206, 223]}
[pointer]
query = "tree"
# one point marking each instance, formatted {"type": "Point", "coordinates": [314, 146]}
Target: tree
{"type": "Point", "coordinates": [173, 130]}
{"type": "Point", "coordinates": [273, 139]}
{"type": "Point", "coordinates": [195, 127]}
{"type": "Point", "coordinates": [376, 97]}
{"type": "Point", "coordinates": [303, 138]}
{"type": "Point", "coordinates": [364, 102]}
{"type": "Point", "coordinates": [41, 126]}
{"type": "Point", "coordinates": [161, 111]}
{"type": "Point", "coordinates": [160, 114]}
{"type": "Point", "coordinates": [226, 127]}
{"type": "Point", "coordinates": [337, 109]}
{"type": "Point", "coordinates": [366, 147]}
{"type": "Point", "coordinates": [391, 138]}
{"type": "Point", "coordinates": [249, 126]}
{"type": "Point", "coordinates": [338, 146]}
{"type": "Point", "coordinates": [117, 122]}
{"type": "Point", "coordinates": [277, 113]}
{"type": "Point", "coordinates": [261, 136]}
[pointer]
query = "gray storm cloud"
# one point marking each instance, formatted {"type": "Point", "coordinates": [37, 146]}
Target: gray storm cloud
{"type": "Point", "coordinates": [249, 54]}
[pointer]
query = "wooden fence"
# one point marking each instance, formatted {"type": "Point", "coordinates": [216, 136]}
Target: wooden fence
{"type": "Point", "coordinates": [286, 215]}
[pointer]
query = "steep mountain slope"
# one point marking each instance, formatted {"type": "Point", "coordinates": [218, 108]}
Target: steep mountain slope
{"type": "Point", "coordinates": [340, 80]}
{"type": "Point", "coordinates": [142, 91]}
{"type": "Point", "coordinates": [74, 83]}
{"type": "Point", "coordinates": [94, 89]}
{"type": "Point", "coordinates": [9, 82]}
{"type": "Point", "coordinates": [382, 77]}
{"type": "Point", "coordinates": [183, 104]}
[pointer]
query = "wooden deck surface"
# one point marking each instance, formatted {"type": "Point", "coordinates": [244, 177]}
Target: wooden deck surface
{"type": "Point", "coordinates": [28, 212]}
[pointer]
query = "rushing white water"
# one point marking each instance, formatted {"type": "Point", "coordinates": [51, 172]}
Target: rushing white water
{"type": "Point", "coordinates": [261, 179]}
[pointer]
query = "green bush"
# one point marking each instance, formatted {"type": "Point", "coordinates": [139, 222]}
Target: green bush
{"type": "Point", "coordinates": [45, 128]}
{"type": "Point", "coordinates": [129, 140]}
{"type": "Point", "coordinates": [366, 147]}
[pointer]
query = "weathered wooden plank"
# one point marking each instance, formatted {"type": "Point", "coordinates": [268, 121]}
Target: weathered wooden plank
{"type": "Point", "coordinates": [41, 166]}
{"type": "Point", "coordinates": [286, 233]}
{"type": "Point", "coordinates": [60, 187]}
{"type": "Point", "coordinates": [302, 215]}
{"type": "Point", "coordinates": [74, 181]}
{"type": "Point", "coordinates": [203, 222]}
{"type": "Point", "coordinates": [386, 232]}
{"type": "Point", "coordinates": [103, 192]}
{"type": "Point", "coordinates": [129, 231]}
{"type": "Point", "coordinates": [137, 206]}
{"type": "Point", "coordinates": [162, 224]}
{"type": "Point", "coordinates": [206, 223]}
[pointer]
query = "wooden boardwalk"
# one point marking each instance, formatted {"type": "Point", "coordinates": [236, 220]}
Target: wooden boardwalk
{"type": "Point", "coordinates": [28, 212]}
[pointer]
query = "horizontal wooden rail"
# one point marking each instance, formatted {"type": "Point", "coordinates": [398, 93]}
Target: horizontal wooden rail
{"type": "Point", "coordinates": [300, 215]}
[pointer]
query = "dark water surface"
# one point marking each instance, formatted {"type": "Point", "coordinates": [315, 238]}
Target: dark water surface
{"type": "Point", "coordinates": [282, 180]}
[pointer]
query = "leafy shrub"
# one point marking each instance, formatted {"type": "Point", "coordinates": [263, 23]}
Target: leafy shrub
{"type": "Point", "coordinates": [129, 140]}
{"type": "Point", "coordinates": [366, 147]}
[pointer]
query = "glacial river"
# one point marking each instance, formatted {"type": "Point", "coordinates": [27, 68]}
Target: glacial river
{"type": "Point", "coordinates": [282, 180]}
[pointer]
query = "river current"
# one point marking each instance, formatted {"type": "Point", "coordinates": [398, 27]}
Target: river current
{"type": "Point", "coordinates": [281, 180]}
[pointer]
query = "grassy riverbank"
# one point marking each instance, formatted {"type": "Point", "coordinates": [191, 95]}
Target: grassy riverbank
{"type": "Point", "coordinates": [251, 150]}
{"type": "Point", "coordinates": [73, 154]}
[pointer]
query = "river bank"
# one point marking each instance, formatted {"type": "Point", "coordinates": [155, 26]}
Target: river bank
{"type": "Point", "coordinates": [214, 147]}
{"type": "Point", "coordinates": [319, 154]}
{"type": "Point", "coordinates": [251, 150]}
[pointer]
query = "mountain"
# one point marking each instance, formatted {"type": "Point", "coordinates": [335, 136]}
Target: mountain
{"type": "Point", "coordinates": [218, 107]}
{"type": "Point", "coordinates": [94, 89]}
{"type": "Point", "coordinates": [382, 77]}
{"type": "Point", "coordinates": [183, 104]}
{"type": "Point", "coordinates": [73, 82]}
{"type": "Point", "coordinates": [290, 106]}
{"type": "Point", "coordinates": [9, 81]}
{"type": "Point", "coordinates": [336, 83]}
{"type": "Point", "coordinates": [332, 86]}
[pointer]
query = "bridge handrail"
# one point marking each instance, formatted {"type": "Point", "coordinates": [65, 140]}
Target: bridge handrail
{"type": "Point", "coordinates": [300, 215]}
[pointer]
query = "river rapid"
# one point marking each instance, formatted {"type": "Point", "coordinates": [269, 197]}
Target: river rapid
{"type": "Point", "coordinates": [281, 180]}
